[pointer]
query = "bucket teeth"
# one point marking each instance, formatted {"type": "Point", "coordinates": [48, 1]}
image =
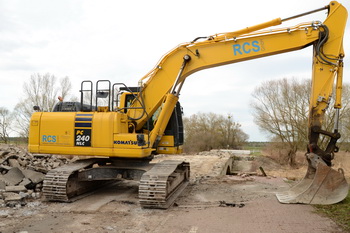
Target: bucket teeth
{"type": "Point", "coordinates": [321, 185]}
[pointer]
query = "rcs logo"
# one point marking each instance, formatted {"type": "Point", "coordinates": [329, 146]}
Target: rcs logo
{"type": "Point", "coordinates": [49, 138]}
{"type": "Point", "coordinates": [247, 47]}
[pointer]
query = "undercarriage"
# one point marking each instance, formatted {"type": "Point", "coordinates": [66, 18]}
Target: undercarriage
{"type": "Point", "coordinates": [159, 184]}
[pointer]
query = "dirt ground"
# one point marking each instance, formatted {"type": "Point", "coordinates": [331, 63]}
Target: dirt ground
{"type": "Point", "coordinates": [212, 202]}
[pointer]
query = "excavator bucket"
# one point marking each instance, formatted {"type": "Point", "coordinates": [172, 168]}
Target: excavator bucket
{"type": "Point", "coordinates": [321, 185]}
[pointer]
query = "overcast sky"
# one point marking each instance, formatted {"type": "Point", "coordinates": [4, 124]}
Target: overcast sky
{"type": "Point", "coordinates": [123, 40]}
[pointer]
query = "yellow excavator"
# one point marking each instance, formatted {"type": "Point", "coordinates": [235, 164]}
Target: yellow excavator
{"type": "Point", "coordinates": [119, 128]}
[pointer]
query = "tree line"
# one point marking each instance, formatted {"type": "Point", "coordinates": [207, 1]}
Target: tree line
{"type": "Point", "coordinates": [206, 131]}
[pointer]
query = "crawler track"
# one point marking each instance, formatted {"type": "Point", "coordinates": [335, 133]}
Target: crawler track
{"type": "Point", "coordinates": [61, 184]}
{"type": "Point", "coordinates": [160, 186]}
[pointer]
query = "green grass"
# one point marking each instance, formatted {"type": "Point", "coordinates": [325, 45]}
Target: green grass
{"type": "Point", "coordinates": [340, 212]}
{"type": "Point", "coordinates": [254, 147]}
{"type": "Point", "coordinates": [256, 152]}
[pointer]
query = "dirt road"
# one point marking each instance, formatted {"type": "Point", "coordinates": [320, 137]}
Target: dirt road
{"type": "Point", "coordinates": [247, 204]}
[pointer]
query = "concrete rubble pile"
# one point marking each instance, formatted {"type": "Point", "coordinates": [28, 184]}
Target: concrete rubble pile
{"type": "Point", "coordinates": [22, 174]}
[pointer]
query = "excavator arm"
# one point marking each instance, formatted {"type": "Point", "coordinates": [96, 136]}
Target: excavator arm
{"type": "Point", "coordinates": [163, 83]}
{"type": "Point", "coordinates": [327, 68]}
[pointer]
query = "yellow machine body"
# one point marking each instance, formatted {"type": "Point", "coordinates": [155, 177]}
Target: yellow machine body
{"type": "Point", "coordinates": [85, 134]}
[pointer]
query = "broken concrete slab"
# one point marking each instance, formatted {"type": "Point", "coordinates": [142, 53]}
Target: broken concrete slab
{"type": "Point", "coordinates": [35, 177]}
{"type": "Point", "coordinates": [27, 183]}
{"type": "Point", "coordinates": [10, 156]}
{"type": "Point", "coordinates": [10, 196]}
{"type": "Point", "coordinates": [2, 185]}
{"type": "Point", "coordinates": [13, 177]}
{"type": "Point", "coordinates": [13, 163]}
{"type": "Point", "coordinates": [4, 153]}
{"type": "Point", "coordinates": [2, 179]}
{"type": "Point", "coordinates": [5, 167]}
{"type": "Point", "coordinates": [23, 173]}
{"type": "Point", "coordinates": [56, 164]}
{"type": "Point", "coordinates": [16, 189]}
{"type": "Point", "coordinates": [39, 169]}
{"type": "Point", "coordinates": [23, 163]}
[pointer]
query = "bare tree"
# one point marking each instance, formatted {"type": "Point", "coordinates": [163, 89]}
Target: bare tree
{"type": "Point", "coordinates": [5, 124]}
{"type": "Point", "coordinates": [40, 90]}
{"type": "Point", "coordinates": [205, 131]}
{"type": "Point", "coordinates": [65, 87]}
{"type": "Point", "coordinates": [281, 108]}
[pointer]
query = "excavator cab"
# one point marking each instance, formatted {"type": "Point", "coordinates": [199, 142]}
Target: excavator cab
{"type": "Point", "coordinates": [173, 138]}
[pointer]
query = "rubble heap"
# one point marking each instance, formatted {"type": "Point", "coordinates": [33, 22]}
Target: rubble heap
{"type": "Point", "coordinates": [22, 174]}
